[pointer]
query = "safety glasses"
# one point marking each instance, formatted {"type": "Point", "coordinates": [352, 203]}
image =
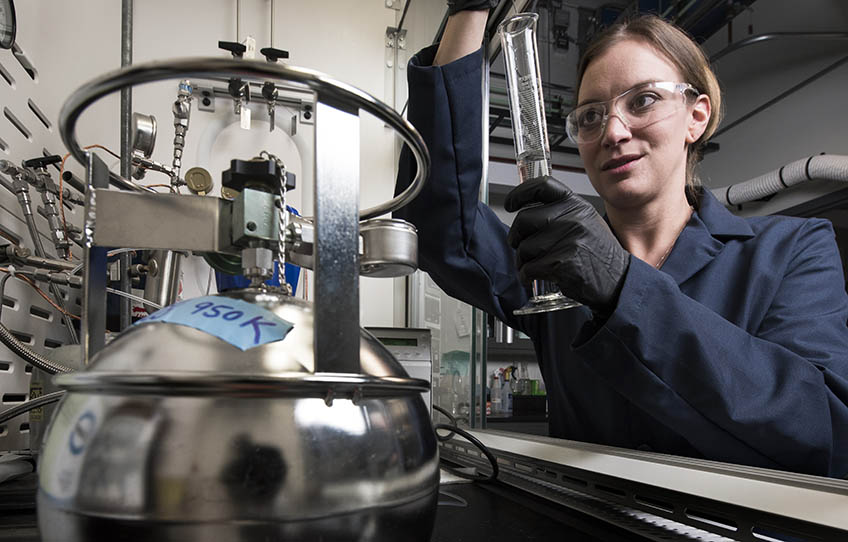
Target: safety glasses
{"type": "Point", "coordinates": [637, 107]}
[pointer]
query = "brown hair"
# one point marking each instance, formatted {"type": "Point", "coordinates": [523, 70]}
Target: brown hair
{"type": "Point", "coordinates": [689, 59]}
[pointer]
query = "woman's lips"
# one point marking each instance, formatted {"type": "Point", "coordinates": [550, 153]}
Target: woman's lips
{"type": "Point", "coordinates": [621, 164]}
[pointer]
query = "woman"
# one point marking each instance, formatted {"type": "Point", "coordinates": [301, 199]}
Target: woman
{"type": "Point", "coordinates": [702, 334]}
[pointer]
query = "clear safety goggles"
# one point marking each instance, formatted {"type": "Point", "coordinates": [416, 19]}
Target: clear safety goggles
{"type": "Point", "coordinates": [637, 107]}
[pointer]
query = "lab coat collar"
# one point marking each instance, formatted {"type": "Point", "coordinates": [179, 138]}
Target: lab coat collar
{"type": "Point", "coordinates": [704, 237]}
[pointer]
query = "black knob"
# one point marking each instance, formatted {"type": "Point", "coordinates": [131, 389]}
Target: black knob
{"type": "Point", "coordinates": [258, 174]}
{"type": "Point", "coordinates": [43, 161]}
{"type": "Point", "coordinates": [268, 91]}
{"type": "Point", "coordinates": [238, 89]}
{"type": "Point", "coordinates": [273, 54]}
{"type": "Point", "coordinates": [237, 49]}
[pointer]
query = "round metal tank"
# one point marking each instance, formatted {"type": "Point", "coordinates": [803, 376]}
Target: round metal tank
{"type": "Point", "coordinates": [174, 434]}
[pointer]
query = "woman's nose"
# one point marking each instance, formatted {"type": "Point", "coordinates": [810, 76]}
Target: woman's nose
{"type": "Point", "coordinates": [616, 131]}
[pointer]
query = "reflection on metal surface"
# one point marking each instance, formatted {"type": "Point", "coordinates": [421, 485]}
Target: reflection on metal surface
{"type": "Point", "coordinates": [390, 248]}
{"type": "Point", "coordinates": [172, 434]}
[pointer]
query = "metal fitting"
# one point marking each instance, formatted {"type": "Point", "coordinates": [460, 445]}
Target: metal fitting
{"type": "Point", "coordinates": [257, 263]}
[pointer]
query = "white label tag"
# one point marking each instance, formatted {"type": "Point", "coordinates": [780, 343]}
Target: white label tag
{"type": "Point", "coordinates": [250, 44]}
{"type": "Point", "coordinates": [244, 120]}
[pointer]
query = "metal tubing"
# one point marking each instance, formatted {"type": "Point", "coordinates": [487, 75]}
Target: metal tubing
{"type": "Point", "coordinates": [272, 22]}
{"type": "Point", "coordinates": [33, 358]}
{"type": "Point", "coordinates": [759, 38]}
{"type": "Point", "coordinates": [25, 407]}
{"type": "Point", "coordinates": [337, 240]}
{"type": "Point", "coordinates": [484, 197]}
{"type": "Point", "coordinates": [403, 16]}
{"type": "Point", "coordinates": [783, 95]}
{"type": "Point", "coordinates": [125, 309]}
{"type": "Point", "coordinates": [26, 207]}
{"type": "Point", "coordinates": [329, 91]}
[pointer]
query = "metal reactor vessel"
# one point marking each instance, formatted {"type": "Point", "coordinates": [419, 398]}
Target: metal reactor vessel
{"type": "Point", "coordinates": [248, 415]}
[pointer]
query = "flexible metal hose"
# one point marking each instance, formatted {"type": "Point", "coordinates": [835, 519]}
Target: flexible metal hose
{"type": "Point", "coordinates": [22, 408]}
{"type": "Point", "coordinates": [828, 167]}
{"type": "Point", "coordinates": [36, 360]}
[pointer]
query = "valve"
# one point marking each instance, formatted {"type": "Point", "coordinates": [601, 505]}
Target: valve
{"type": "Point", "coordinates": [235, 48]}
{"type": "Point", "coordinates": [237, 88]}
{"type": "Point", "coordinates": [258, 174]}
{"type": "Point", "coordinates": [273, 54]}
{"type": "Point", "coordinates": [269, 89]}
{"type": "Point", "coordinates": [42, 161]}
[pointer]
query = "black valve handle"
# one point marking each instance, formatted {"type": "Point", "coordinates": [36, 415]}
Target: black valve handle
{"type": "Point", "coordinates": [258, 174]}
{"type": "Point", "coordinates": [237, 49]}
{"type": "Point", "coordinates": [238, 89]}
{"type": "Point", "coordinates": [272, 54]}
{"type": "Point", "coordinates": [42, 161]}
{"type": "Point", "coordinates": [268, 91]}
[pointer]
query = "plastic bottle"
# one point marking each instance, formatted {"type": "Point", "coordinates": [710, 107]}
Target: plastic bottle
{"type": "Point", "coordinates": [496, 394]}
{"type": "Point", "coordinates": [506, 393]}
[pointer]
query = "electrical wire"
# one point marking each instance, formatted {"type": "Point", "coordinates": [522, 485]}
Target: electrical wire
{"type": "Point", "coordinates": [18, 275]}
{"type": "Point", "coordinates": [8, 237]}
{"type": "Point", "coordinates": [454, 430]}
{"type": "Point", "coordinates": [450, 417]}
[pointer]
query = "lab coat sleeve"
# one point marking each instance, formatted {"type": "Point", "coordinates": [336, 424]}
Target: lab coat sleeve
{"type": "Point", "coordinates": [777, 397]}
{"type": "Point", "coordinates": [461, 242]}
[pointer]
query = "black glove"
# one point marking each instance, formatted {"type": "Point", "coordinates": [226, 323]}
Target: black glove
{"type": "Point", "coordinates": [558, 236]}
{"type": "Point", "coordinates": [455, 6]}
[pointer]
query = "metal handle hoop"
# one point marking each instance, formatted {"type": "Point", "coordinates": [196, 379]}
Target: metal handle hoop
{"type": "Point", "coordinates": [327, 90]}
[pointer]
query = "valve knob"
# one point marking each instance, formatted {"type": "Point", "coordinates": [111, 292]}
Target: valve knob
{"type": "Point", "coordinates": [42, 161]}
{"type": "Point", "coordinates": [235, 48]}
{"type": "Point", "coordinates": [258, 174]}
{"type": "Point", "coordinates": [272, 54]}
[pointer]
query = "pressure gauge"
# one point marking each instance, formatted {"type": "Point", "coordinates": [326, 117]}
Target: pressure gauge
{"type": "Point", "coordinates": [8, 24]}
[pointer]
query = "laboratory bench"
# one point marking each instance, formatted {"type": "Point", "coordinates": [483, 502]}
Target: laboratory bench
{"type": "Point", "coordinates": [549, 489]}
{"type": "Point", "coordinates": [467, 512]}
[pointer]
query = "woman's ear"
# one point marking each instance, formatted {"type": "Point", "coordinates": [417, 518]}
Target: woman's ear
{"type": "Point", "coordinates": [699, 118]}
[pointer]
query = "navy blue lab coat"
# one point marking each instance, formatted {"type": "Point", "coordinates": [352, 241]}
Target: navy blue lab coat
{"type": "Point", "coordinates": [736, 350]}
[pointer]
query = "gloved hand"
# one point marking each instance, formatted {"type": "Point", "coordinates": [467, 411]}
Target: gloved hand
{"type": "Point", "coordinates": [455, 6]}
{"type": "Point", "coordinates": [558, 236]}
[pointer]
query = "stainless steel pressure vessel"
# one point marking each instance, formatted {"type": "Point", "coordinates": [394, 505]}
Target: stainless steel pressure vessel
{"type": "Point", "coordinates": [175, 434]}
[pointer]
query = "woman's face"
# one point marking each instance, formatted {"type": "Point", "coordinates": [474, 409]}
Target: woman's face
{"type": "Point", "coordinates": [631, 167]}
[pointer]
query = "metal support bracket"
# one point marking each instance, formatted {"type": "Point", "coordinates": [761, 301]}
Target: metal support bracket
{"type": "Point", "coordinates": [337, 239]}
{"type": "Point", "coordinates": [94, 289]}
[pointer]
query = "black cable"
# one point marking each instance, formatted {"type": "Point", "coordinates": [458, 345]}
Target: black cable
{"type": "Point", "coordinates": [482, 447]}
{"type": "Point", "coordinates": [454, 430]}
{"type": "Point", "coordinates": [450, 417]}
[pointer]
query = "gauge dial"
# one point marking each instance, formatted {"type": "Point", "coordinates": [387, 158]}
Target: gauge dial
{"type": "Point", "coordinates": [8, 24]}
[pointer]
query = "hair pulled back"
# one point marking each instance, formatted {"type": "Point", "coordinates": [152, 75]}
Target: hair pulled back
{"type": "Point", "coordinates": [685, 55]}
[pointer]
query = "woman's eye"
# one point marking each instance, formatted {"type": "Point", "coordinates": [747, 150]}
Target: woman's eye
{"type": "Point", "coordinates": [589, 118]}
{"type": "Point", "coordinates": [643, 101]}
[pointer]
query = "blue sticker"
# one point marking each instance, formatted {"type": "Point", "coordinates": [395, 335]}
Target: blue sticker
{"type": "Point", "coordinates": [242, 324]}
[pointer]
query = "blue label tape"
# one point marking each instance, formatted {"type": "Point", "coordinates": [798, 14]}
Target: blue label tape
{"type": "Point", "coordinates": [242, 324]}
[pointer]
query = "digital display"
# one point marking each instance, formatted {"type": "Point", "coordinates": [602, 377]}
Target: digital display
{"type": "Point", "coordinates": [398, 341]}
